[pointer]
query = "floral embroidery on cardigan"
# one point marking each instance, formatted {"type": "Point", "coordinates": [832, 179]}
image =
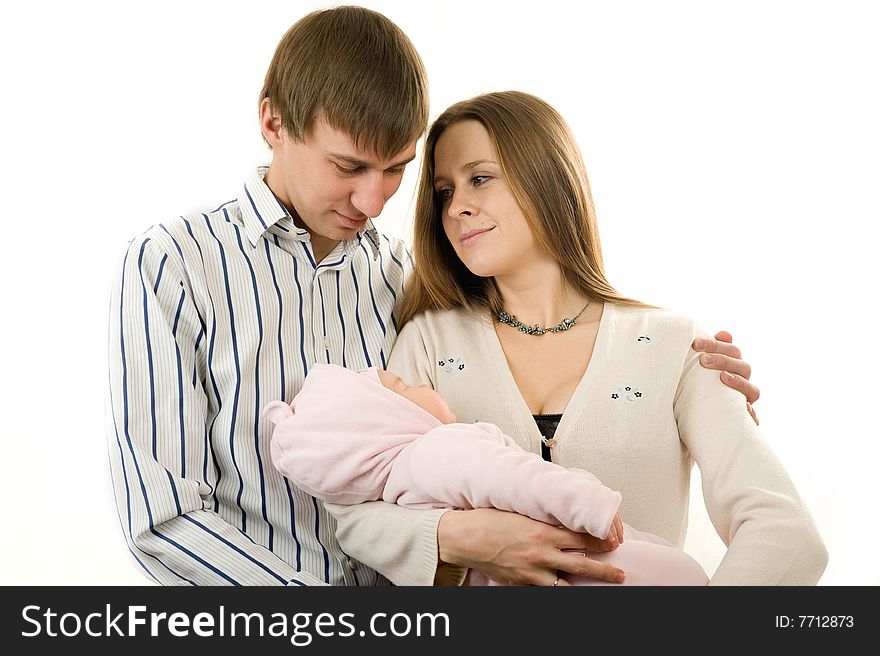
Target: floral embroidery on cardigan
{"type": "Point", "coordinates": [451, 365]}
{"type": "Point", "coordinates": [628, 393]}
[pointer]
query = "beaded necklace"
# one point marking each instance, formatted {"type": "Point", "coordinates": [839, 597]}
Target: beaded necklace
{"type": "Point", "coordinates": [513, 322]}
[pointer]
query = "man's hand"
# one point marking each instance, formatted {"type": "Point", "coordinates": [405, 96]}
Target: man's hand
{"type": "Point", "coordinates": [721, 354]}
{"type": "Point", "coordinates": [516, 550]}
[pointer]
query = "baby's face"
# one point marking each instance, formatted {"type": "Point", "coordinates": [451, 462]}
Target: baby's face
{"type": "Point", "coordinates": [423, 396]}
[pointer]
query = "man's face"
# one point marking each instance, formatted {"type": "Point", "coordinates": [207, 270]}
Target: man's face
{"type": "Point", "coordinates": [330, 186]}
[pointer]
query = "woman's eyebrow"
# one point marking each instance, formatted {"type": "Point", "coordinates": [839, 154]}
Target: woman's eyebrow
{"type": "Point", "coordinates": [476, 163]}
{"type": "Point", "coordinates": [466, 167]}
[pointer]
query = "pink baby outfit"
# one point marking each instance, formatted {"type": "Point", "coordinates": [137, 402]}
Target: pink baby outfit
{"type": "Point", "coordinates": [347, 439]}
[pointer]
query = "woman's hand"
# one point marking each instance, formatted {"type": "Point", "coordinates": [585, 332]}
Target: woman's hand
{"type": "Point", "coordinates": [722, 355]}
{"type": "Point", "coordinates": [516, 550]}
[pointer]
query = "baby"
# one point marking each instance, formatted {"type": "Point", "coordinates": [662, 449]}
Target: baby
{"type": "Point", "coordinates": [350, 437]}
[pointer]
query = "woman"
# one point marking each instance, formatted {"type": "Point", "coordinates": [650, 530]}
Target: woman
{"type": "Point", "coordinates": [353, 437]}
{"type": "Point", "coordinates": [509, 317]}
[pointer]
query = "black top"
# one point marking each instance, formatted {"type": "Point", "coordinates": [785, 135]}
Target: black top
{"type": "Point", "coordinates": [547, 424]}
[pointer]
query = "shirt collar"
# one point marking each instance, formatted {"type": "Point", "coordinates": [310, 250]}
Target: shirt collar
{"type": "Point", "coordinates": [262, 212]}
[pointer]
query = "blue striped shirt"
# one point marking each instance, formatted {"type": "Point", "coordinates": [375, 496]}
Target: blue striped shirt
{"type": "Point", "coordinates": [212, 316]}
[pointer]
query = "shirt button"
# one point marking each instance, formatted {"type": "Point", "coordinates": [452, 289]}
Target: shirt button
{"type": "Point", "coordinates": [351, 564]}
{"type": "Point", "coordinates": [327, 342]}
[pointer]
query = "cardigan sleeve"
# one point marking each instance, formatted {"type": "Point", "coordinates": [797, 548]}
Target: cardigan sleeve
{"type": "Point", "coordinates": [397, 542]}
{"type": "Point", "coordinates": [410, 358]}
{"type": "Point", "coordinates": [753, 504]}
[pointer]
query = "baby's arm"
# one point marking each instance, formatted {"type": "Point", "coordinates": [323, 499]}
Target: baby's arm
{"type": "Point", "coordinates": [476, 466]}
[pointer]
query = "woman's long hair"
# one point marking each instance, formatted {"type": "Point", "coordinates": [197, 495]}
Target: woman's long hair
{"type": "Point", "coordinates": [543, 167]}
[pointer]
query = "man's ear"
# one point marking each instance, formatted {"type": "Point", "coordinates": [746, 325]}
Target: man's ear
{"type": "Point", "coordinates": [277, 411]}
{"type": "Point", "coordinates": [270, 123]}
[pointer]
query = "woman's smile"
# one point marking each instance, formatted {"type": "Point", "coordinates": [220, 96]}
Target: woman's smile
{"type": "Point", "coordinates": [472, 236]}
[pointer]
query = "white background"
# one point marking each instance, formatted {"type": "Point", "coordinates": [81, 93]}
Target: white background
{"type": "Point", "coordinates": [732, 147]}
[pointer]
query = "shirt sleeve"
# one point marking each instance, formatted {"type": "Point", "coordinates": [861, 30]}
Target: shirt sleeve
{"type": "Point", "coordinates": [159, 439]}
{"type": "Point", "coordinates": [770, 536]}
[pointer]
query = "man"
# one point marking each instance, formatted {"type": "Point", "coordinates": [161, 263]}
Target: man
{"type": "Point", "coordinates": [216, 313]}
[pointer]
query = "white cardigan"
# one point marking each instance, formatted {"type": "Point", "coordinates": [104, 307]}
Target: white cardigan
{"type": "Point", "coordinates": [643, 414]}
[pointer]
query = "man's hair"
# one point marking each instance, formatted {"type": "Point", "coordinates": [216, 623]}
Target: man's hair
{"type": "Point", "coordinates": [355, 68]}
{"type": "Point", "coordinates": [542, 165]}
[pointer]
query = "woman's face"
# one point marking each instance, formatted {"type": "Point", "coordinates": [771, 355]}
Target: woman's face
{"type": "Point", "coordinates": [481, 218]}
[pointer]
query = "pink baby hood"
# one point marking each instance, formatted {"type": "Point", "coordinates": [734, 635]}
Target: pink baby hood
{"type": "Point", "coordinates": [338, 438]}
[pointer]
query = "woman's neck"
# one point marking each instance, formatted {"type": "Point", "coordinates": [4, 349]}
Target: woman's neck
{"type": "Point", "coordinates": [538, 297]}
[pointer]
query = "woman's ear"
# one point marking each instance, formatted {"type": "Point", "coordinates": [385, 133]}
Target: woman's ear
{"type": "Point", "coordinates": [277, 411]}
